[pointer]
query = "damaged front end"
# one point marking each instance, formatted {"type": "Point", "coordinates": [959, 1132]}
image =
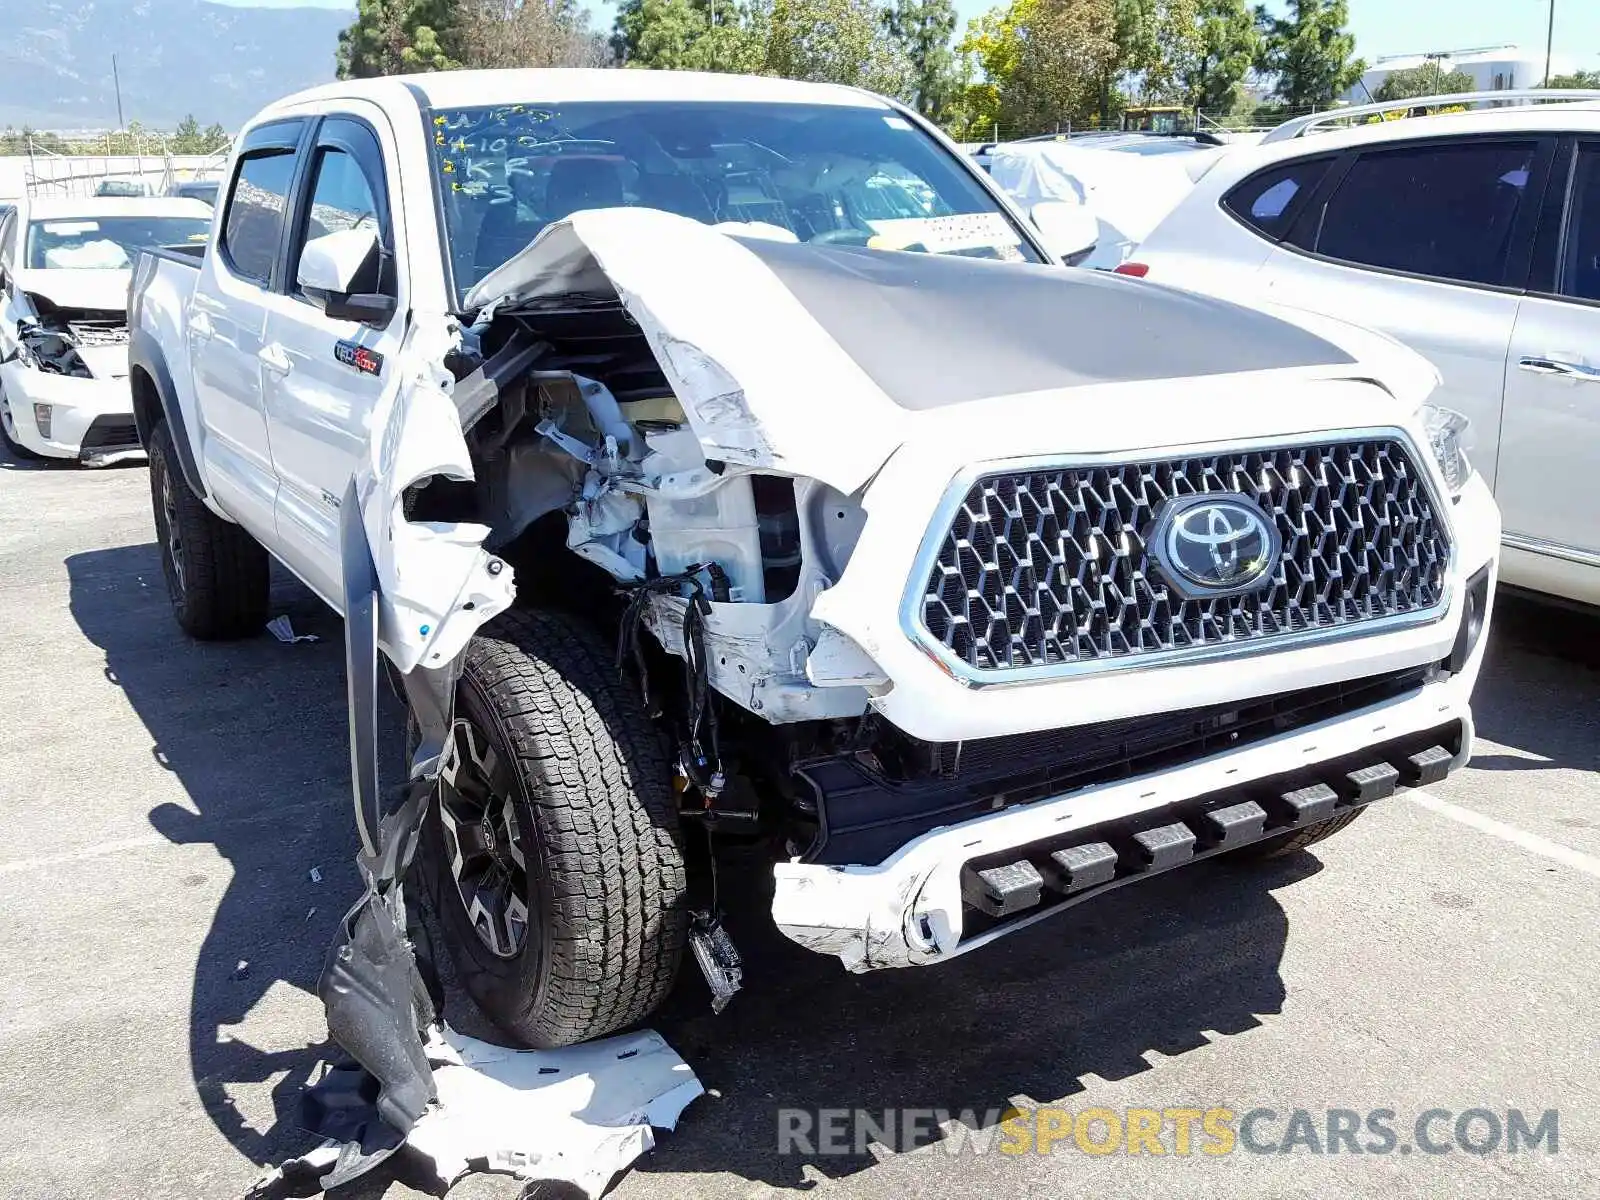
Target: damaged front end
{"type": "Point", "coordinates": [66, 380]}
{"type": "Point", "coordinates": [638, 408]}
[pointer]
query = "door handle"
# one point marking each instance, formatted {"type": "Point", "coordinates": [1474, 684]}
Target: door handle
{"type": "Point", "coordinates": [1541, 365]}
{"type": "Point", "coordinates": [275, 358]}
{"type": "Point", "coordinates": [200, 326]}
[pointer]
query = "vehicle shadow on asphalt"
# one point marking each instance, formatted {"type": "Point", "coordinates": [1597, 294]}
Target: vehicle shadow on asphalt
{"type": "Point", "coordinates": [1154, 968]}
{"type": "Point", "coordinates": [1541, 668]}
{"type": "Point", "coordinates": [255, 731]}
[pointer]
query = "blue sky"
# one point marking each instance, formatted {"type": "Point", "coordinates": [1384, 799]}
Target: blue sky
{"type": "Point", "coordinates": [1381, 26]}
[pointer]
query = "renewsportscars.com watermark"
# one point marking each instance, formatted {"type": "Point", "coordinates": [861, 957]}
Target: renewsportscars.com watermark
{"type": "Point", "coordinates": [1180, 1132]}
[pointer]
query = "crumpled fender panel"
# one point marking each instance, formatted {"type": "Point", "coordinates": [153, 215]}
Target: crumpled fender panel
{"type": "Point", "coordinates": [761, 381]}
{"type": "Point", "coordinates": [436, 584]}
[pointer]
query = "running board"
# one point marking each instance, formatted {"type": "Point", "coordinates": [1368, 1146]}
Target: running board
{"type": "Point", "coordinates": [1056, 874]}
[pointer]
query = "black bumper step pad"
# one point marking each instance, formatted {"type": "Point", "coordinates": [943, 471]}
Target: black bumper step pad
{"type": "Point", "coordinates": [1234, 825]}
{"type": "Point", "coordinates": [1165, 846]}
{"type": "Point", "coordinates": [1426, 766]}
{"type": "Point", "coordinates": [1310, 804]}
{"type": "Point", "coordinates": [1125, 850]}
{"type": "Point", "coordinates": [1001, 891]}
{"type": "Point", "coordinates": [1079, 867]}
{"type": "Point", "coordinates": [1375, 782]}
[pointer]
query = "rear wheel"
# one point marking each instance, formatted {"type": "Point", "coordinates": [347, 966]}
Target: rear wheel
{"type": "Point", "coordinates": [552, 854]}
{"type": "Point", "coordinates": [217, 575]}
{"type": "Point", "coordinates": [1295, 840]}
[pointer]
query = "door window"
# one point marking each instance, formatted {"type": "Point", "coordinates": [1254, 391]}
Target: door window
{"type": "Point", "coordinates": [347, 192]}
{"type": "Point", "coordinates": [1447, 211]}
{"type": "Point", "coordinates": [253, 228]}
{"type": "Point", "coordinates": [1580, 265]}
{"type": "Point", "coordinates": [1268, 200]}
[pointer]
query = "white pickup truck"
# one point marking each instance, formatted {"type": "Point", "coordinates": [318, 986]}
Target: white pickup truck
{"type": "Point", "coordinates": [614, 411]}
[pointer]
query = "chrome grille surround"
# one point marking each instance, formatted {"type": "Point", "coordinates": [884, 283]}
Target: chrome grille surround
{"type": "Point", "coordinates": [1367, 549]}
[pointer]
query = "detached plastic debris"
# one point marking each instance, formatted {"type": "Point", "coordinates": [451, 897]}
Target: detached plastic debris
{"type": "Point", "coordinates": [579, 1115]}
{"type": "Point", "coordinates": [280, 628]}
{"type": "Point", "coordinates": [576, 1116]}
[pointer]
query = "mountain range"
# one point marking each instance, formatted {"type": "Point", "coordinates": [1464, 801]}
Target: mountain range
{"type": "Point", "coordinates": [174, 57]}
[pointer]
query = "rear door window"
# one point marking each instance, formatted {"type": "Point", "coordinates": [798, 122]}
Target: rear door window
{"type": "Point", "coordinates": [1269, 200]}
{"type": "Point", "coordinates": [1448, 210]}
{"type": "Point", "coordinates": [252, 228]}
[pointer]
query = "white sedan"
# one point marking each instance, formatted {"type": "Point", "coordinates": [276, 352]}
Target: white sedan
{"type": "Point", "coordinates": [64, 272]}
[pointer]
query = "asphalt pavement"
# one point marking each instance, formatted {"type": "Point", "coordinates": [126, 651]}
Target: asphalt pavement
{"type": "Point", "coordinates": [179, 849]}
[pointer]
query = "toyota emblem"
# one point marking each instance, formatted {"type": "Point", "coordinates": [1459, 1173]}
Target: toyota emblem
{"type": "Point", "coordinates": [1216, 545]}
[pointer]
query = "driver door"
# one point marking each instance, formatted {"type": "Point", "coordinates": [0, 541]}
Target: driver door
{"type": "Point", "coordinates": [324, 377]}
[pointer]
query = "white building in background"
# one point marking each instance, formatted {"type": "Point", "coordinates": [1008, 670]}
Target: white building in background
{"type": "Point", "coordinates": [1493, 68]}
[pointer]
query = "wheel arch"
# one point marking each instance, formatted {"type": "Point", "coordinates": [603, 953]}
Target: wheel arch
{"type": "Point", "coordinates": [155, 399]}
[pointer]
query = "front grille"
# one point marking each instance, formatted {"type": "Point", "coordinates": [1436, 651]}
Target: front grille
{"type": "Point", "coordinates": [1049, 566]}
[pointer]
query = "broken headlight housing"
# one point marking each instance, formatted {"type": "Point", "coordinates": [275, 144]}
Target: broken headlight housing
{"type": "Point", "coordinates": [1449, 438]}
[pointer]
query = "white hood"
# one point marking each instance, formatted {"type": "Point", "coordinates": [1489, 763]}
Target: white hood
{"type": "Point", "coordinates": [822, 361]}
{"type": "Point", "coordinates": [78, 289]}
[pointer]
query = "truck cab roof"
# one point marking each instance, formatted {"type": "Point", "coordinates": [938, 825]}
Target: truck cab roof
{"type": "Point", "coordinates": [453, 89]}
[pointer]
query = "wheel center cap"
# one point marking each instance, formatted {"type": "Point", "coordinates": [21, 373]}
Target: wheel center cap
{"type": "Point", "coordinates": [487, 832]}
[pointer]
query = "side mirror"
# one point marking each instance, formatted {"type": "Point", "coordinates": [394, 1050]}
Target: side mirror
{"type": "Point", "coordinates": [1069, 231]}
{"type": "Point", "coordinates": [339, 271]}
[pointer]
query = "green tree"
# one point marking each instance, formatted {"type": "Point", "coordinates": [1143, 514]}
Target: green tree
{"type": "Point", "coordinates": [525, 33]}
{"type": "Point", "coordinates": [390, 37]}
{"type": "Point", "coordinates": [1310, 52]}
{"type": "Point", "coordinates": [922, 30]}
{"type": "Point", "coordinates": [187, 138]}
{"type": "Point", "coordinates": [1428, 80]}
{"type": "Point", "coordinates": [690, 35]}
{"type": "Point", "coordinates": [1156, 40]}
{"type": "Point", "coordinates": [1578, 79]}
{"type": "Point", "coordinates": [1044, 64]}
{"type": "Point", "coordinates": [214, 139]}
{"type": "Point", "coordinates": [833, 41]}
{"type": "Point", "coordinates": [1225, 50]}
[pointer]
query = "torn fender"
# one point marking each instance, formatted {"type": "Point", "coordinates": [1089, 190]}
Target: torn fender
{"type": "Point", "coordinates": [761, 381]}
{"type": "Point", "coordinates": [435, 583]}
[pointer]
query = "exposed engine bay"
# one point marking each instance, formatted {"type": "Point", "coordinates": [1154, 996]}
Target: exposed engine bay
{"type": "Point", "coordinates": [67, 341]}
{"type": "Point", "coordinates": [579, 442]}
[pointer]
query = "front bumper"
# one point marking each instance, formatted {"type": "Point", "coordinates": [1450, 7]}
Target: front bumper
{"type": "Point", "coordinates": [958, 888]}
{"type": "Point", "coordinates": [953, 889]}
{"type": "Point", "coordinates": [91, 420]}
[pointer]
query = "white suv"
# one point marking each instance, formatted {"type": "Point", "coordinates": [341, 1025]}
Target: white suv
{"type": "Point", "coordinates": [1473, 237]}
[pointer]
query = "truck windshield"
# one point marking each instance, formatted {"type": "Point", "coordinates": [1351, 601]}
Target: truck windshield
{"type": "Point", "coordinates": [821, 173]}
{"type": "Point", "coordinates": [105, 243]}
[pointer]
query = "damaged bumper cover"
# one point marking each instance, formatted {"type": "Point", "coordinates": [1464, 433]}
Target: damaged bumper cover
{"type": "Point", "coordinates": [962, 886]}
{"type": "Point", "coordinates": [68, 416]}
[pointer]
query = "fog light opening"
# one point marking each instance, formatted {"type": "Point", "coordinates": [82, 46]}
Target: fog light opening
{"type": "Point", "coordinates": [41, 420]}
{"type": "Point", "coordinates": [1473, 612]}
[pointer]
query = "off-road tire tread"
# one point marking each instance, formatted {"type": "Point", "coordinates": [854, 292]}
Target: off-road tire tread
{"type": "Point", "coordinates": [598, 779]}
{"type": "Point", "coordinates": [1300, 839]}
{"type": "Point", "coordinates": [227, 575]}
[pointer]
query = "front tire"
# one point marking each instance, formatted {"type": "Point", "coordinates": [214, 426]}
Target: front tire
{"type": "Point", "coordinates": [218, 576]}
{"type": "Point", "coordinates": [552, 853]}
{"type": "Point", "coordinates": [1295, 840]}
{"type": "Point", "coordinates": [8, 431]}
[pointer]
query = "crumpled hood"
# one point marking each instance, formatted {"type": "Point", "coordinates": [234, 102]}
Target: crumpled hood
{"type": "Point", "coordinates": [78, 289]}
{"type": "Point", "coordinates": [822, 361]}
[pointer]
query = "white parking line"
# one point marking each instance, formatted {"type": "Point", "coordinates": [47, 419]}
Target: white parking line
{"type": "Point", "coordinates": [1530, 842]}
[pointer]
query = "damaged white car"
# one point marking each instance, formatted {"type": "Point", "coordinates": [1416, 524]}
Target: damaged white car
{"type": "Point", "coordinates": [64, 271]}
{"type": "Point", "coordinates": [688, 505]}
